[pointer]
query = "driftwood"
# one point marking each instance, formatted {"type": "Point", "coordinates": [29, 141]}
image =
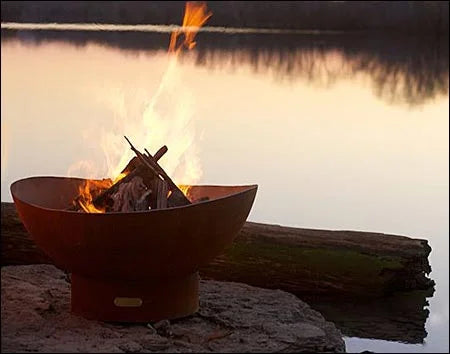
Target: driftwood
{"type": "Point", "coordinates": [302, 261]}
{"type": "Point", "coordinates": [311, 262]}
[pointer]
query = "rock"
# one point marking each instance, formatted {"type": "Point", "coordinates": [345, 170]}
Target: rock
{"type": "Point", "coordinates": [151, 328]}
{"type": "Point", "coordinates": [233, 317]}
{"type": "Point", "coordinates": [163, 328]}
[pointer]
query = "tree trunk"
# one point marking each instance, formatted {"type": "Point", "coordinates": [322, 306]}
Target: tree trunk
{"type": "Point", "coordinates": [305, 262]}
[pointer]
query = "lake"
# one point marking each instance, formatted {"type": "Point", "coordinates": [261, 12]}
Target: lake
{"type": "Point", "coordinates": [343, 132]}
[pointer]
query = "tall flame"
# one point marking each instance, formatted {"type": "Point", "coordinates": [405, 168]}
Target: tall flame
{"type": "Point", "coordinates": [166, 120]}
{"type": "Point", "coordinates": [195, 16]}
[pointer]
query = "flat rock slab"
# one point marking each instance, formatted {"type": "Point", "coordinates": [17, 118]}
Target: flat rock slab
{"type": "Point", "coordinates": [233, 317]}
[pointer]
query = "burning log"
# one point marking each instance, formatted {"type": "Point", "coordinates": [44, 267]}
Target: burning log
{"type": "Point", "coordinates": [131, 196]}
{"type": "Point", "coordinates": [145, 185]}
{"type": "Point", "coordinates": [158, 154]}
{"type": "Point", "coordinates": [135, 162]}
{"type": "Point", "coordinates": [94, 189]}
{"type": "Point", "coordinates": [133, 169]}
{"type": "Point", "coordinates": [105, 198]}
{"type": "Point", "coordinates": [177, 197]}
{"type": "Point", "coordinates": [162, 190]}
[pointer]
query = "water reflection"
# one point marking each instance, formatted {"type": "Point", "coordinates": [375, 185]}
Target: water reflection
{"type": "Point", "coordinates": [351, 160]}
{"type": "Point", "coordinates": [410, 70]}
{"type": "Point", "coordinates": [400, 317]}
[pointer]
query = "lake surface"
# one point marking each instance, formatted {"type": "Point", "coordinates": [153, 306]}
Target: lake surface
{"type": "Point", "coordinates": [339, 132]}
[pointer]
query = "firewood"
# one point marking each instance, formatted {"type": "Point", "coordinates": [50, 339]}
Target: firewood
{"type": "Point", "coordinates": [160, 153]}
{"type": "Point", "coordinates": [177, 199]}
{"type": "Point", "coordinates": [78, 203]}
{"type": "Point", "coordinates": [154, 195]}
{"type": "Point", "coordinates": [162, 191]}
{"type": "Point", "coordinates": [177, 196]}
{"type": "Point", "coordinates": [146, 185]}
{"type": "Point", "coordinates": [134, 168]}
{"type": "Point", "coordinates": [128, 194]}
{"type": "Point", "coordinates": [143, 202]}
{"type": "Point", "coordinates": [104, 198]}
{"type": "Point", "coordinates": [132, 164]}
{"type": "Point", "coordinates": [144, 159]}
{"type": "Point", "coordinates": [135, 162]}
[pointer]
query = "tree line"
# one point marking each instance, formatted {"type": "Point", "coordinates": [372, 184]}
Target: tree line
{"type": "Point", "coordinates": [413, 17]}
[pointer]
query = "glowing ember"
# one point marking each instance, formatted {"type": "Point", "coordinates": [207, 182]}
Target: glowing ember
{"type": "Point", "coordinates": [166, 119]}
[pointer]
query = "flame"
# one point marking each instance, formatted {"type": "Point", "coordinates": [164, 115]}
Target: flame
{"type": "Point", "coordinates": [119, 177]}
{"type": "Point", "coordinates": [195, 16]}
{"type": "Point", "coordinates": [87, 191]}
{"type": "Point", "coordinates": [185, 189]}
{"type": "Point", "coordinates": [167, 118]}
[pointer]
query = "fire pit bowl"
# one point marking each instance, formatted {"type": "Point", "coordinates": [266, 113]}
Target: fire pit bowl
{"type": "Point", "coordinates": [136, 266]}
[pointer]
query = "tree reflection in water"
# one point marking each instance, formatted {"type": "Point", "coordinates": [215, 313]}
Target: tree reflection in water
{"type": "Point", "coordinates": [402, 70]}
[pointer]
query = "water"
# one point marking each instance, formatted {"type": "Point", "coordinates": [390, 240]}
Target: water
{"type": "Point", "coordinates": [338, 131]}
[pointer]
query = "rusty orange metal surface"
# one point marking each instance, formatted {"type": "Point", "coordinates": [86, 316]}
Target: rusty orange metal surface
{"type": "Point", "coordinates": [136, 266]}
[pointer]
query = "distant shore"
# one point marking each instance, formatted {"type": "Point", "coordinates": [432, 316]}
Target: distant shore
{"type": "Point", "coordinates": [408, 17]}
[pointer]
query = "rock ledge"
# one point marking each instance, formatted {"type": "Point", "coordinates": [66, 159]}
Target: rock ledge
{"type": "Point", "coordinates": [233, 317]}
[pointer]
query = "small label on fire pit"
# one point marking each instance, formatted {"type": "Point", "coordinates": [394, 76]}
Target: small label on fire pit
{"type": "Point", "coordinates": [128, 301]}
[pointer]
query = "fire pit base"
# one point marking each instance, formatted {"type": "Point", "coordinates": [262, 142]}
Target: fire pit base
{"type": "Point", "coordinates": [134, 301]}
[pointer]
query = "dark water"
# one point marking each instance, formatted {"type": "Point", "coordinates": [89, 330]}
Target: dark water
{"type": "Point", "coordinates": [339, 131]}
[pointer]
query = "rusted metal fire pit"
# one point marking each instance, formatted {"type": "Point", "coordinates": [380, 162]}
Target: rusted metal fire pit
{"type": "Point", "coordinates": [136, 266]}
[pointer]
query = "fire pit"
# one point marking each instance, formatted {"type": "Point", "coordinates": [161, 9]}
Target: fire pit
{"type": "Point", "coordinates": [131, 266]}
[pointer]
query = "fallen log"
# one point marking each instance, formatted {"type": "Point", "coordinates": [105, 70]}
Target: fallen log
{"type": "Point", "coordinates": [305, 262]}
{"type": "Point", "coordinates": [310, 262]}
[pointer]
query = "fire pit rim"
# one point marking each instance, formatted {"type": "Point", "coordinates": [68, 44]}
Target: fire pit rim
{"type": "Point", "coordinates": [246, 186]}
